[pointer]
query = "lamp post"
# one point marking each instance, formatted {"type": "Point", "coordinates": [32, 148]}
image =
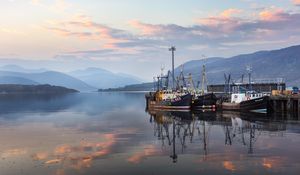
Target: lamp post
{"type": "Point", "coordinates": [173, 49]}
{"type": "Point", "coordinates": [204, 81]}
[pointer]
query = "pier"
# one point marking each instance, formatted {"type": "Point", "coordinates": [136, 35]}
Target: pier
{"type": "Point", "coordinates": [284, 104]}
{"type": "Point", "coordinates": [265, 87]}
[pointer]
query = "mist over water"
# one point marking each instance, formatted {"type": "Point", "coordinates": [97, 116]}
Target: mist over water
{"type": "Point", "coordinates": [111, 133]}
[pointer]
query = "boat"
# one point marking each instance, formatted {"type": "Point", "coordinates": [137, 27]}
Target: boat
{"type": "Point", "coordinates": [206, 101]}
{"type": "Point", "coordinates": [248, 101]}
{"type": "Point", "coordinates": [168, 100]}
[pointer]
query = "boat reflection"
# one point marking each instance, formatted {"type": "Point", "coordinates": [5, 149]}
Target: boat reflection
{"type": "Point", "coordinates": [179, 129]}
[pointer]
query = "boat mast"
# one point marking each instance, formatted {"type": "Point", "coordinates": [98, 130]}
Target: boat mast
{"type": "Point", "coordinates": [173, 49]}
{"type": "Point", "coordinates": [162, 68]}
{"type": "Point", "coordinates": [158, 83]}
{"type": "Point", "coordinates": [161, 76]}
{"type": "Point", "coordinates": [154, 83]}
{"type": "Point", "coordinates": [192, 85]}
{"type": "Point", "coordinates": [249, 69]}
{"type": "Point", "coordinates": [181, 78]}
{"type": "Point", "coordinates": [204, 80]}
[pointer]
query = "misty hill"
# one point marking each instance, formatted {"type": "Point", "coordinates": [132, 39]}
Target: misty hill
{"type": "Point", "coordinates": [133, 87]}
{"type": "Point", "coordinates": [282, 63]}
{"type": "Point", "coordinates": [16, 80]}
{"type": "Point", "coordinates": [102, 78]}
{"type": "Point", "coordinates": [48, 77]}
{"type": "Point", "coordinates": [15, 68]}
{"type": "Point", "coordinates": [82, 80]}
{"type": "Point", "coordinates": [33, 89]}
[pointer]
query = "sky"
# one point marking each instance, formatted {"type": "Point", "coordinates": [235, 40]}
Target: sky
{"type": "Point", "coordinates": [133, 36]}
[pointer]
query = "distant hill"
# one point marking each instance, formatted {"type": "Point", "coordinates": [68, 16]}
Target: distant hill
{"type": "Point", "coordinates": [48, 77]}
{"type": "Point", "coordinates": [16, 80]}
{"type": "Point", "coordinates": [15, 68]}
{"type": "Point", "coordinates": [133, 87]}
{"type": "Point", "coordinates": [82, 80]}
{"type": "Point", "coordinates": [102, 78]}
{"type": "Point", "coordinates": [282, 63]}
{"type": "Point", "coordinates": [33, 89]}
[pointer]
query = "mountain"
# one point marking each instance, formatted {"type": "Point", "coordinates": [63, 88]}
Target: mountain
{"type": "Point", "coordinates": [102, 78]}
{"type": "Point", "coordinates": [16, 80]}
{"type": "Point", "coordinates": [48, 77]}
{"type": "Point", "coordinates": [15, 68]}
{"type": "Point", "coordinates": [133, 87]}
{"type": "Point", "coordinates": [82, 80]}
{"type": "Point", "coordinates": [282, 63]}
{"type": "Point", "coordinates": [129, 76]}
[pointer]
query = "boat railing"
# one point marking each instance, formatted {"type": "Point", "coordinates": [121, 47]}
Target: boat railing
{"type": "Point", "coordinates": [268, 80]}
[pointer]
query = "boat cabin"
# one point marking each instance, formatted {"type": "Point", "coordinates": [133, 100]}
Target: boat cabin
{"type": "Point", "coordinates": [239, 97]}
{"type": "Point", "coordinates": [168, 94]}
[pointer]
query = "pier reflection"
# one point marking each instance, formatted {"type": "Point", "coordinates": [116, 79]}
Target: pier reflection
{"type": "Point", "coordinates": [181, 130]}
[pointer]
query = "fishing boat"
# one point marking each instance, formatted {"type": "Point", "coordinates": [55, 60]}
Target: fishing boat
{"type": "Point", "coordinates": [204, 100]}
{"type": "Point", "coordinates": [165, 98]}
{"type": "Point", "coordinates": [247, 101]}
{"type": "Point", "coordinates": [168, 100]}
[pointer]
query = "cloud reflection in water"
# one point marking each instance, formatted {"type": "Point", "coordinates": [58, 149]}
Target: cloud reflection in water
{"type": "Point", "coordinates": [110, 133]}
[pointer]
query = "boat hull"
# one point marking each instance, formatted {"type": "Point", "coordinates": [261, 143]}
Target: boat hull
{"type": "Point", "coordinates": [255, 104]}
{"type": "Point", "coordinates": [205, 101]}
{"type": "Point", "coordinates": [230, 106]}
{"type": "Point", "coordinates": [249, 105]}
{"type": "Point", "coordinates": [181, 103]}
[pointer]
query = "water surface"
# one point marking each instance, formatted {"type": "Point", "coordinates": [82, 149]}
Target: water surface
{"type": "Point", "coordinates": [111, 133]}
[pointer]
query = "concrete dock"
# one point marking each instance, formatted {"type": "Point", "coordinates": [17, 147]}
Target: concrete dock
{"type": "Point", "coordinates": [284, 104]}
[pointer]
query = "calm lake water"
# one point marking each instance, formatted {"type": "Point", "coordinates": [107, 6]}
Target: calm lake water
{"type": "Point", "coordinates": [111, 133]}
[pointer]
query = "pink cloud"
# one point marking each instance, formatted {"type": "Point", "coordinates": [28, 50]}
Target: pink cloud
{"type": "Point", "coordinates": [75, 157]}
{"type": "Point", "coordinates": [13, 152]}
{"type": "Point", "coordinates": [65, 33]}
{"type": "Point", "coordinates": [273, 162]}
{"type": "Point", "coordinates": [146, 29]}
{"type": "Point", "coordinates": [63, 149]}
{"type": "Point", "coordinates": [296, 2]}
{"type": "Point", "coordinates": [98, 31]}
{"type": "Point", "coordinates": [272, 15]}
{"type": "Point", "coordinates": [228, 165]}
{"type": "Point", "coordinates": [224, 22]}
{"type": "Point", "coordinates": [220, 23]}
{"type": "Point", "coordinates": [53, 161]}
{"type": "Point", "coordinates": [40, 156]}
{"type": "Point", "coordinates": [148, 151]}
{"type": "Point", "coordinates": [264, 24]}
{"type": "Point", "coordinates": [230, 12]}
{"type": "Point", "coordinates": [83, 27]}
{"type": "Point", "coordinates": [228, 28]}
